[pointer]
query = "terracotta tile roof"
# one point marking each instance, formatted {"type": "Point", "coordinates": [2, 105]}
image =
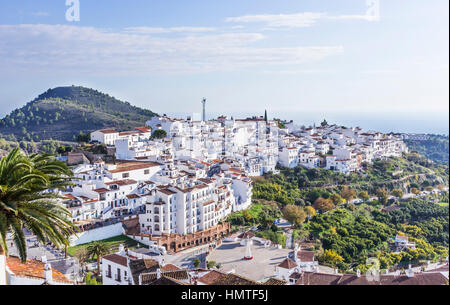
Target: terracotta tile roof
{"type": "Point", "coordinates": [116, 258]}
{"type": "Point", "coordinates": [143, 129]}
{"type": "Point", "coordinates": [122, 182]}
{"type": "Point", "coordinates": [288, 264]}
{"type": "Point", "coordinates": [275, 282]}
{"type": "Point", "coordinates": [417, 279]}
{"type": "Point", "coordinates": [166, 281]}
{"type": "Point", "coordinates": [132, 196]}
{"type": "Point", "coordinates": [149, 278]}
{"type": "Point", "coordinates": [166, 191]}
{"type": "Point", "coordinates": [33, 269]}
{"type": "Point", "coordinates": [210, 277]}
{"type": "Point", "coordinates": [169, 267]}
{"type": "Point", "coordinates": [142, 266]}
{"type": "Point", "coordinates": [309, 278]}
{"type": "Point", "coordinates": [108, 131]}
{"type": "Point", "coordinates": [351, 279]}
{"type": "Point", "coordinates": [101, 190]}
{"type": "Point", "coordinates": [233, 280]}
{"type": "Point", "coordinates": [305, 256]}
{"type": "Point", "coordinates": [130, 166]}
{"type": "Point", "coordinates": [246, 235]}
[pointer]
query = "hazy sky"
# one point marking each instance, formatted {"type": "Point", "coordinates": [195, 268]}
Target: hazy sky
{"type": "Point", "coordinates": [327, 56]}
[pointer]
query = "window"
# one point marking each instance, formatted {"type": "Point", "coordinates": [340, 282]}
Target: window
{"type": "Point", "coordinates": [146, 172]}
{"type": "Point", "coordinates": [119, 277]}
{"type": "Point", "coordinates": [125, 175]}
{"type": "Point", "coordinates": [108, 273]}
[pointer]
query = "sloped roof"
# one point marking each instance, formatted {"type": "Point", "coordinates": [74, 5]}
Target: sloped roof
{"type": "Point", "coordinates": [288, 264]}
{"type": "Point", "coordinates": [33, 269]}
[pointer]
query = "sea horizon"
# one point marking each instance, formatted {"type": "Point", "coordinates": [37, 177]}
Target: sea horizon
{"type": "Point", "coordinates": [428, 123]}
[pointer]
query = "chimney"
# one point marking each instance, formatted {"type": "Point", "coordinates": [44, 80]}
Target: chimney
{"type": "Point", "coordinates": [44, 259]}
{"type": "Point", "coordinates": [121, 250]}
{"type": "Point", "coordinates": [336, 271]}
{"type": "Point", "coordinates": [358, 273]}
{"type": "Point", "coordinates": [158, 273]}
{"type": "Point", "coordinates": [48, 273]}
{"type": "Point", "coordinates": [410, 272]}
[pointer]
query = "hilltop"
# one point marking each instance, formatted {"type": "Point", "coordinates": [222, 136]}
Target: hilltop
{"type": "Point", "coordinates": [62, 113]}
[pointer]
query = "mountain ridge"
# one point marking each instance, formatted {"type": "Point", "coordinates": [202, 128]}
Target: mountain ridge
{"type": "Point", "coordinates": [62, 113]}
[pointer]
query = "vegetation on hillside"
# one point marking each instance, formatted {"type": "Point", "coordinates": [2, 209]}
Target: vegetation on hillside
{"type": "Point", "coordinates": [301, 186]}
{"type": "Point", "coordinates": [343, 234]}
{"type": "Point", "coordinates": [436, 148]}
{"type": "Point", "coordinates": [62, 113]}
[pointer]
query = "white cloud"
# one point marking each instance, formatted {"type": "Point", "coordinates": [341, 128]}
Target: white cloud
{"type": "Point", "coordinates": [157, 30]}
{"type": "Point", "coordinates": [297, 20]}
{"type": "Point", "coordinates": [281, 20]}
{"type": "Point", "coordinates": [65, 49]}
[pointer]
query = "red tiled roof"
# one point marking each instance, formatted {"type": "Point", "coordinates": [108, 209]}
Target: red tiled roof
{"type": "Point", "coordinates": [130, 166]}
{"type": "Point", "coordinates": [118, 259]}
{"type": "Point", "coordinates": [288, 264]}
{"type": "Point", "coordinates": [32, 268]}
{"type": "Point", "coordinates": [169, 267]}
{"type": "Point", "coordinates": [210, 277]}
{"type": "Point", "coordinates": [305, 256]}
{"type": "Point", "coordinates": [122, 182]}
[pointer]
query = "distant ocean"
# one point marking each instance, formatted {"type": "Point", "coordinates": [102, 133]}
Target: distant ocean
{"type": "Point", "coordinates": [432, 123]}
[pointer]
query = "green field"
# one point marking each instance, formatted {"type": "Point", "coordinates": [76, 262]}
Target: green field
{"type": "Point", "coordinates": [113, 244]}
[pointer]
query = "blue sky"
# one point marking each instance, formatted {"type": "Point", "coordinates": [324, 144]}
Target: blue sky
{"type": "Point", "coordinates": [328, 57]}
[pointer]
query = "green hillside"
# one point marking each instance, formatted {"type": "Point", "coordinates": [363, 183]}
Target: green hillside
{"type": "Point", "coordinates": [62, 113]}
{"type": "Point", "coordinates": [435, 148]}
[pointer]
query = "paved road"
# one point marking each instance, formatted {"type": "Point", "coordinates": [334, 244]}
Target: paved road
{"type": "Point", "coordinates": [186, 258]}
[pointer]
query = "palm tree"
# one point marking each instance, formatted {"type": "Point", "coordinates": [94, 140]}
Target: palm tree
{"type": "Point", "coordinates": [97, 250]}
{"type": "Point", "coordinates": [28, 200]}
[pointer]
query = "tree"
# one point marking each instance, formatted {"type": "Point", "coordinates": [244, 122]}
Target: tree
{"type": "Point", "coordinates": [364, 195]}
{"type": "Point", "coordinates": [415, 191]}
{"type": "Point", "coordinates": [324, 123]}
{"type": "Point", "coordinates": [83, 138]}
{"type": "Point", "coordinates": [82, 255]}
{"type": "Point", "coordinates": [159, 134]}
{"type": "Point", "coordinates": [96, 250]}
{"type": "Point", "coordinates": [196, 263]}
{"type": "Point", "coordinates": [337, 199]}
{"type": "Point", "coordinates": [91, 280]}
{"type": "Point", "coordinates": [27, 202]}
{"type": "Point", "coordinates": [294, 214]}
{"type": "Point", "coordinates": [211, 264]}
{"type": "Point", "coordinates": [382, 195]}
{"type": "Point", "coordinates": [324, 205]}
{"type": "Point", "coordinates": [397, 193]}
{"type": "Point", "coordinates": [310, 211]}
{"type": "Point", "coordinates": [331, 257]}
{"type": "Point", "coordinates": [265, 116]}
{"type": "Point", "coordinates": [348, 194]}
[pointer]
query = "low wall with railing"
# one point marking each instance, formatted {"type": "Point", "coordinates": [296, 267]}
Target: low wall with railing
{"type": "Point", "coordinates": [97, 234]}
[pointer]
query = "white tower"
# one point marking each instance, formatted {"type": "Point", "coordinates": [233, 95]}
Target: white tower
{"type": "Point", "coordinates": [204, 110]}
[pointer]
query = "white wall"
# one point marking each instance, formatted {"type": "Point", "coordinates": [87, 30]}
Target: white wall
{"type": "Point", "coordinates": [97, 234]}
{"type": "Point", "coordinates": [2, 270]}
